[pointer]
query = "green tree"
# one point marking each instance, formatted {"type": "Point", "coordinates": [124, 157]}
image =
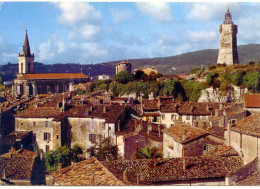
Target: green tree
{"type": "Point", "coordinates": [103, 147]}
{"type": "Point", "coordinates": [148, 153]}
{"type": "Point", "coordinates": [211, 77]}
{"type": "Point", "coordinates": [237, 79]}
{"type": "Point", "coordinates": [193, 89]}
{"type": "Point", "coordinates": [251, 81]}
{"type": "Point", "coordinates": [124, 77]}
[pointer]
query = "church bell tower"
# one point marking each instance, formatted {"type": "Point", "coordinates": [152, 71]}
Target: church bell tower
{"type": "Point", "coordinates": [25, 59]}
{"type": "Point", "coordinates": [228, 42]}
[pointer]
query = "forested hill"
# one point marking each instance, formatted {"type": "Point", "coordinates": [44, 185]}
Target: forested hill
{"type": "Point", "coordinates": [179, 64]}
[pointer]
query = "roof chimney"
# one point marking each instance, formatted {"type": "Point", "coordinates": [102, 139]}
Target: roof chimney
{"type": "Point", "coordinates": [125, 175]}
{"type": "Point", "coordinates": [59, 168]}
{"type": "Point", "coordinates": [184, 137]}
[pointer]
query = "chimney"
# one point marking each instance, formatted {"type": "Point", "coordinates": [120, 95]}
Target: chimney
{"type": "Point", "coordinates": [125, 176]}
{"type": "Point", "coordinates": [216, 112]}
{"type": "Point", "coordinates": [184, 158]}
{"type": "Point", "coordinates": [159, 103]}
{"type": "Point", "coordinates": [184, 137]}
{"type": "Point", "coordinates": [137, 180]}
{"type": "Point", "coordinates": [207, 107]}
{"type": "Point", "coordinates": [104, 109]}
{"type": "Point", "coordinates": [59, 168]}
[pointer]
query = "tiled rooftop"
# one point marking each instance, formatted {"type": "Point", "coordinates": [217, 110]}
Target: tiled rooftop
{"type": "Point", "coordinates": [249, 125]}
{"type": "Point", "coordinates": [40, 112]}
{"type": "Point", "coordinates": [17, 167]}
{"type": "Point", "coordinates": [224, 151]}
{"type": "Point", "coordinates": [171, 170]}
{"type": "Point", "coordinates": [87, 172]}
{"type": "Point", "coordinates": [53, 76]}
{"type": "Point", "coordinates": [177, 132]}
{"type": "Point", "coordinates": [252, 100]}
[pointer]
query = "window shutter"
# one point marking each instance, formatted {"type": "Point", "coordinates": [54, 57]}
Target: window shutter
{"type": "Point", "coordinates": [49, 123]}
{"type": "Point", "coordinates": [44, 124]}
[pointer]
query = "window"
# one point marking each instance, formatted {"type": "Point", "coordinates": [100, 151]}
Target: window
{"type": "Point", "coordinates": [79, 122]}
{"type": "Point", "coordinates": [47, 148]}
{"type": "Point", "coordinates": [79, 135]}
{"type": "Point", "coordinates": [197, 124]}
{"type": "Point", "coordinates": [21, 124]}
{"type": "Point", "coordinates": [46, 136]}
{"type": "Point", "coordinates": [172, 116]}
{"type": "Point", "coordinates": [154, 119]}
{"type": "Point", "coordinates": [92, 125]}
{"type": "Point", "coordinates": [163, 116]}
{"type": "Point", "coordinates": [91, 137]}
{"type": "Point", "coordinates": [57, 137]}
{"type": "Point", "coordinates": [21, 67]}
{"type": "Point", "coordinates": [233, 121]}
{"type": "Point", "coordinates": [187, 117]}
{"type": "Point", "coordinates": [102, 125]}
{"type": "Point", "coordinates": [34, 124]}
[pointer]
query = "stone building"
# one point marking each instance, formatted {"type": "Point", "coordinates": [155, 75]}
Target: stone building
{"type": "Point", "coordinates": [183, 140]}
{"type": "Point", "coordinates": [29, 83]}
{"type": "Point", "coordinates": [123, 66]}
{"type": "Point", "coordinates": [228, 42]}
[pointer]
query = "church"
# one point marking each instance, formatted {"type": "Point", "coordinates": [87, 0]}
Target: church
{"type": "Point", "coordinates": [29, 83]}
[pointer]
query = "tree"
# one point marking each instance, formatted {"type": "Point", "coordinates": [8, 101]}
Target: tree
{"type": "Point", "coordinates": [193, 90]}
{"type": "Point", "coordinates": [64, 155]}
{"type": "Point", "coordinates": [251, 81]}
{"type": "Point", "coordinates": [124, 77]}
{"type": "Point", "coordinates": [210, 78]}
{"type": "Point", "coordinates": [237, 79]}
{"type": "Point", "coordinates": [103, 147]}
{"type": "Point", "coordinates": [148, 153]}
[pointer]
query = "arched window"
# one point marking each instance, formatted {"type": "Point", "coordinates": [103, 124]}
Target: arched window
{"type": "Point", "coordinates": [21, 67]}
{"type": "Point", "coordinates": [29, 67]}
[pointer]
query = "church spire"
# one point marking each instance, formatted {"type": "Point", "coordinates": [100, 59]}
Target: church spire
{"type": "Point", "coordinates": [228, 18]}
{"type": "Point", "coordinates": [26, 46]}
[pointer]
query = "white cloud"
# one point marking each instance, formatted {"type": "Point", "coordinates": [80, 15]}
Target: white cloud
{"type": "Point", "coordinates": [209, 11]}
{"type": "Point", "coordinates": [160, 11]}
{"type": "Point", "coordinates": [121, 15]}
{"type": "Point", "coordinates": [202, 36]}
{"type": "Point", "coordinates": [9, 57]}
{"type": "Point", "coordinates": [77, 12]}
{"type": "Point", "coordinates": [92, 49]}
{"type": "Point", "coordinates": [50, 49]}
{"type": "Point", "coordinates": [88, 31]}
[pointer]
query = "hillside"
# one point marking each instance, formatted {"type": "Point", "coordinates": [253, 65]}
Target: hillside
{"type": "Point", "coordinates": [182, 63]}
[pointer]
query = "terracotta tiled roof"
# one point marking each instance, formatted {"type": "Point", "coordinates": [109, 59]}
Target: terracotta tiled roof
{"type": "Point", "coordinates": [224, 151]}
{"type": "Point", "coordinates": [20, 152]}
{"type": "Point", "coordinates": [20, 134]}
{"type": "Point", "coordinates": [87, 172]}
{"type": "Point", "coordinates": [17, 167]}
{"type": "Point", "coordinates": [111, 115]}
{"type": "Point", "coordinates": [249, 125]}
{"type": "Point", "coordinates": [40, 112]}
{"type": "Point", "coordinates": [171, 170]}
{"type": "Point", "coordinates": [150, 104]}
{"type": "Point", "coordinates": [53, 76]}
{"type": "Point", "coordinates": [252, 100]}
{"type": "Point", "coordinates": [177, 132]}
{"type": "Point", "coordinates": [252, 180]}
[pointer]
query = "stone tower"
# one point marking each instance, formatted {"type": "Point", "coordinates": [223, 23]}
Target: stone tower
{"type": "Point", "coordinates": [228, 41]}
{"type": "Point", "coordinates": [25, 59]}
{"type": "Point", "coordinates": [123, 66]}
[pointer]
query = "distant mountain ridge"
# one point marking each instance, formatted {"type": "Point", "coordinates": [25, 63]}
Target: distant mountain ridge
{"type": "Point", "coordinates": [179, 64]}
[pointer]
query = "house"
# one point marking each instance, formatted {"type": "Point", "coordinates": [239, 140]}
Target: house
{"type": "Point", "coordinates": [85, 122]}
{"type": "Point", "coordinates": [103, 77]}
{"type": "Point", "coordinates": [22, 167]}
{"type": "Point", "coordinates": [48, 133]}
{"type": "Point", "coordinates": [89, 172]}
{"type": "Point", "coordinates": [139, 134]}
{"type": "Point", "coordinates": [151, 110]}
{"type": "Point", "coordinates": [207, 170]}
{"type": "Point", "coordinates": [183, 140]}
{"type": "Point", "coordinates": [244, 136]}
{"type": "Point", "coordinates": [252, 102]}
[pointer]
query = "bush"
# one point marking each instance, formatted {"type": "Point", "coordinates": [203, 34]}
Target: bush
{"type": "Point", "coordinates": [194, 70]}
{"type": "Point", "coordinates": [210, 78]}
{"type": "Point", "coordinates": [212, 67]}
{"type": "Point", "coordinates": [124, 77]}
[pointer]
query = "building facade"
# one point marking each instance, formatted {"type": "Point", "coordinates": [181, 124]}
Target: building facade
{"type": "Point", "coordinates": [123, 66]}
{"type": "Point", "coordinates": [228, 42]}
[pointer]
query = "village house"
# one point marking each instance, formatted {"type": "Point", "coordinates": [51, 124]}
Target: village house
{"type": "Point", "coordinates": [252, 102]}
{"type": "Point", "coordinates": [22, 167]}
{"type": "Point", "coordinates": [151, 110]}
{"type": "Point", "coordinates": [139, 134]}
{"type": "Point", "coordinates": [86, 122]}
{"type": "Point", "coordinates": [183, 140]}
{"type": "Point", "coordinates": [244, 136]}
{"type": "Point", "coordinates": [207, 170]}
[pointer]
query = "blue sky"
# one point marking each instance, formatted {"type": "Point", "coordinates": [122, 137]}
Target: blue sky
{"type": "Point", "coordinates": [88, 32]}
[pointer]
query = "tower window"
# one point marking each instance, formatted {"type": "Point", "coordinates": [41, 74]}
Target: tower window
{"type": "Point", "coordinates": [21, 67]}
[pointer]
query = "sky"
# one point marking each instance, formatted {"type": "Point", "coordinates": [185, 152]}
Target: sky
{"type": "Point", "coordinates": [95, 32]}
